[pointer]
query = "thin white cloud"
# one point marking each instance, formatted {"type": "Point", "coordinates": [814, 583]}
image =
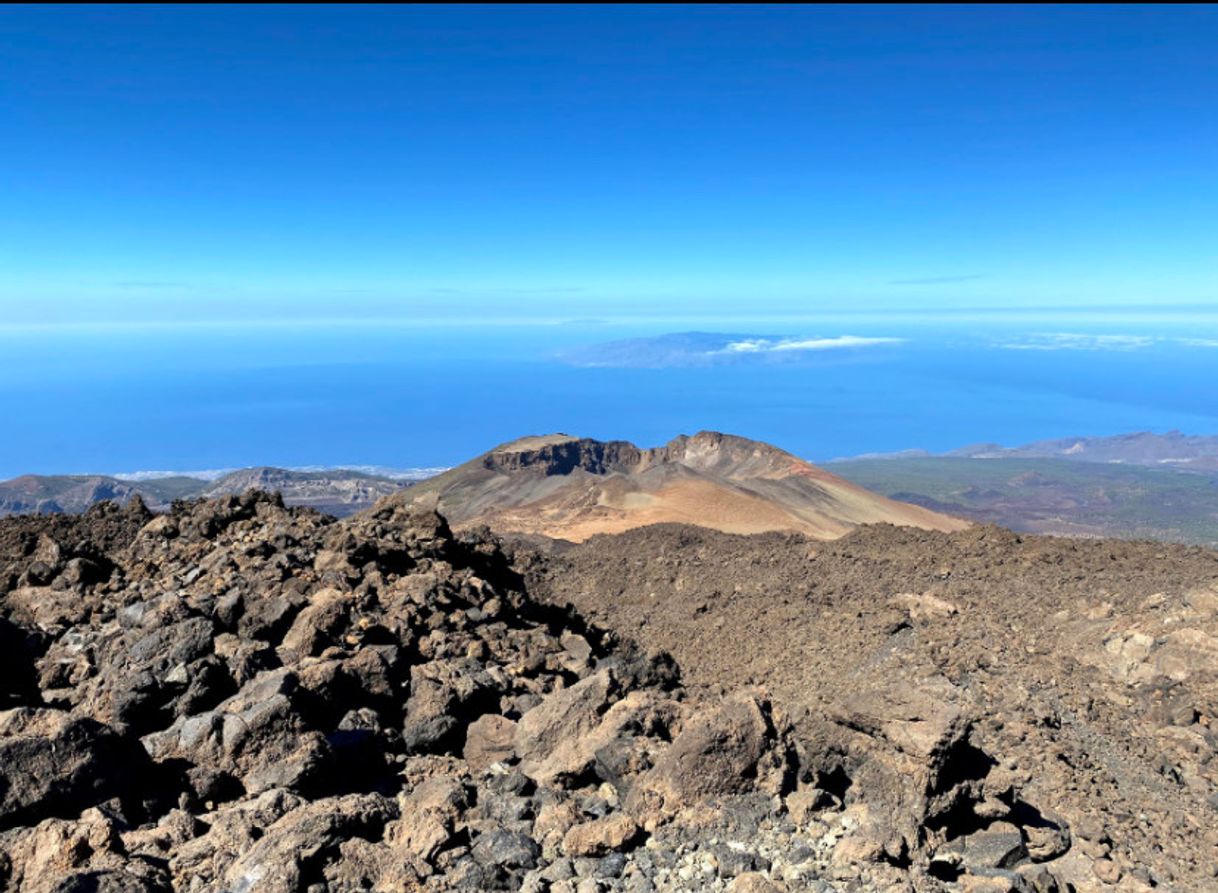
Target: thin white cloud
{"type": "Point", "coordinates": [1081, 341]}
{"type": "Point", "coordinates": [785, 345]}
{"type": "Point", "coordinates": [1106, 342]}
{"type": "Point", "coordinates": [209, 474]}
{"type": "Point", "coordinates": [713, 349]}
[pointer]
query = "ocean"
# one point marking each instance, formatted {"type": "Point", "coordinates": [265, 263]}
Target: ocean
{"type": "Point", "coordinates": [409, 393]}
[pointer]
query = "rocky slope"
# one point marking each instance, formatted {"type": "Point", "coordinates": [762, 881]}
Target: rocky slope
{"type": "Point", "coordinates": [1086, 671]}
{"type": "Point", "coordinates": [33, 493]}
{"type": "Point", "coordinates": [571, 488]}
{"type": "Point", "coordinates": [238, 696]}
{"type": "Point", "coordinates": [337, 491]}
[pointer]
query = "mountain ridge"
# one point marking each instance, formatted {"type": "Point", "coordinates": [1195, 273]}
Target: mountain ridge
{"type": "Point", "coordinates": [335, 491]}
{"type": "Point", "coordinates": [1148, 448]}
{"type": "Point", "coordinates": [572, 488]}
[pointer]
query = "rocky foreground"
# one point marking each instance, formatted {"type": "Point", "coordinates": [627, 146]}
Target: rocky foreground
{"type": "Point", "coordinates": [241, 697]}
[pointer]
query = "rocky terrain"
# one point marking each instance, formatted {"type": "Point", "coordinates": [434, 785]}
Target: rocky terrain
{"type": "Point", "coordinates": [1086, 671]}
{"type": "Point", "coordinates": [35, 493]}
{"type": "Point", "coordinates": [571, 488]}
{"type": "Point", "coordinates": [336, 491]}
{"type": "Point", "coordinates": [240, 696]}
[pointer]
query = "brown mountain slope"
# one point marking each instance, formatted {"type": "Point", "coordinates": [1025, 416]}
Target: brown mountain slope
{"type": "Point", "coordinates": [571, 488]}
{"type": "Point", "coordinates": [337, 491]}
{"type": "Point", "coordinates": [1089, 668]}
{"type": "Point", "coordinates": [60, 493]}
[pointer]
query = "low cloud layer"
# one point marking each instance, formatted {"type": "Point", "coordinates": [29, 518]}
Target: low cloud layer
{"type": "Point", "coordinates": [1100, 342]}
{"type": "Point", "coordinates": [712, 349]}
{"type": "Point", "coordinates": [785, 345]}
{"type": "Point", "coordinates": [1080, 341]}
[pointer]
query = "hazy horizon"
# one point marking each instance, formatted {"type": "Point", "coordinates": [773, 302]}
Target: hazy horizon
{"type": "Point", "coordinates": [397, 236]}
{"type": "Point", "coordinates": [434, 395]}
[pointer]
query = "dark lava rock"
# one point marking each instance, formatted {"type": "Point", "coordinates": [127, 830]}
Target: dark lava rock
{"type": "Point", "coordinates": [243, 697]}
{"type": "Point", "coordinates": [55, 764]}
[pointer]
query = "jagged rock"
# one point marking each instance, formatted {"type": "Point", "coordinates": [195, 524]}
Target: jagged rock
{"type": "Point", "coordinates": [311, 834]}
{"type": "Point", "coordinates": [925, 607]}
{"type": "Point", "coordinates": [505, 850]}
{"type": "Point", "coordinates": [232, 831]}
{"type": "Point", "coordinates": [157, 842]}
{"type": "Point", "coordinates": [617, 747]}
{"type": "Point", "coordinates": [924, 778]}
{"type": "Point", "coordinates": [727, 749]}
{"type": "Point", "coordinates": [489, 739]}
{"type": "Point", "coordinates": [923, 721]}
{"type": "Point", "coordinates": [601, 837]}
{"type": "Point", "coordinates": [1047, 838]}
{"type": "Point", "coordinates": [429, 816]}
{"type": "Point", "coordinates": [1040, 880]}
{"type": "Point", "coordinates": [1107, 870]}
{"type": "Point", "coordinates": [164, 667]}
{"type": "Point", "coordinates": [441, 693]}
{"type": "Point", "coordinates": [160, 527]}
{"type": "Point", "coordinates": [993, 882]}
{"type": "Point", "coordinates": [318, 623]}
{"type": "Point", "coordinates": [45, 608]}
{"type": "Point", "coordinates": [564, 715]}
{"type": "Point", "coordinates": [257, 735]}
{"type": "Point", "coordinates": [1001, 845]}
{"type": "Point", "coordinates": [754, 882]}
{"type": "Point", "coordinates": [109, 881]}
{"type": "Point", "coordinates": [55, 764]}
{"type": "Point", "coordinates": [38, 858]}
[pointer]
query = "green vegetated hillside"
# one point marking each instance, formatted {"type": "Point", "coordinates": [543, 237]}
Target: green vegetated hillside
{"type": "Point", "coordinates": [1058, 496]}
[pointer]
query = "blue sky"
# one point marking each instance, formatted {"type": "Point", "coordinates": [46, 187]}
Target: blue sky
{"type": "Point", "coordinates": [225, 163]}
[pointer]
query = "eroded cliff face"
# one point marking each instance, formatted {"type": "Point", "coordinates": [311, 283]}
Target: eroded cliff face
{"type": "Point", "coordinates": [593, 456]}
{"type": "Point", "coordinates": [705, 449]}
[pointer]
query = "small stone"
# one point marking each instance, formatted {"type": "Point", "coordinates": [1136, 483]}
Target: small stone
{"type": "Point", "coordinates": [506, 849]}
{"type": "Point", "coordinates": [602, 836]}
{"type": "Point", "coordinates": [753, 882]}
{"type": "Point", "coordinates": [489, 740]}
{"type": "Point", "coordinates": [1107, 870]}
{"type": "Point", "coordinates": [998, 846]}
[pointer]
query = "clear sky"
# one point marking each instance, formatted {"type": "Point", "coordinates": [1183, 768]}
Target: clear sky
{"type": "Point", "coordinates": [234, 163]}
